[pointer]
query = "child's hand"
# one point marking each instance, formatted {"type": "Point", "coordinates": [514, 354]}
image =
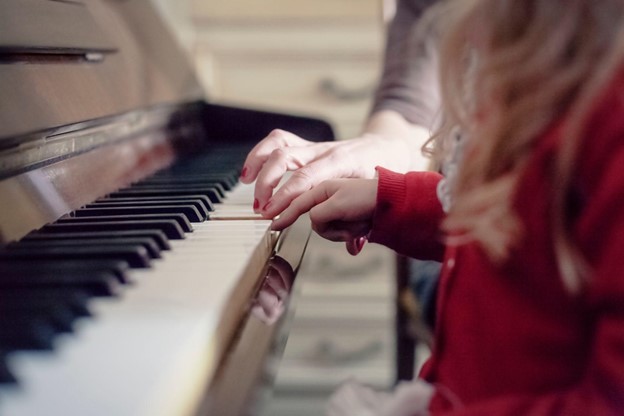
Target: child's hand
{"type": "Point", "coordinates": [340, 210]}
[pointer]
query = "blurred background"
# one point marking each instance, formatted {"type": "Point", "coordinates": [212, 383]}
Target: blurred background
{"type": "Point", "coordinates": [320, 58]}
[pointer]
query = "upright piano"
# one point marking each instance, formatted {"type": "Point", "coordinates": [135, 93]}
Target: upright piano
{"type": "Point", "coordinates": [134, 277]}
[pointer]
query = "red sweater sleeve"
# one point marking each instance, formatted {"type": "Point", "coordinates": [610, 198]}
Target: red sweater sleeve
{"type": "Point", "coordinates": [408, 214]}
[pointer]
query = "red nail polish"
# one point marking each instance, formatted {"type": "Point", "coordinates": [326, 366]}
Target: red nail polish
{"type": "Point", "coordinates": [256, 204]}
{"type": "Point", "coordinates": [360, 243]}
{"type": "Point", "coordinates": [244, 172]}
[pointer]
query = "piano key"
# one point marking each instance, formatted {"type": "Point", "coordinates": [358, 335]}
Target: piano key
{"type": "Point", "coordinates": [58, 315]}
{"type": "Point", "coordinates": [202, 199]}
{"type": "Point", "coordinates": [178, 316]}
{"type": "Point", "coordinates": [158, 237]}
{"type": "Point", "coordinates": [203, 166]}
{"type": "Point", "coordinates": [170, 228]}
{"type": "Point", "coordinates": [60, 270]}
{"type": "Point", "coordinates": [189, 211]}
{"type": "Point", "coordinates": [134, 255]}
{"type": "Point", "coordinates": [98, 283]}
{"type": "Point", "coordinates": [75, 300]}
{"type": "Point", "coordinates": [216, 186]}
{"type": "Point", "coordinates": [199, 206]}
{"type": "Point", "coordinates": [153, 251]}
{"type": "Point", "coordinates": [5, 374]}
{"type": "Point", "coordinates": [181, 219]}
{"type": "Point", "coordinates": [119, 268]}
{"type": "Point", "coordinates": [208, 192]}
{"type": "Point", "coordinates": [22, 333]}
{"type": "Point", "coordinates": [225, 181]}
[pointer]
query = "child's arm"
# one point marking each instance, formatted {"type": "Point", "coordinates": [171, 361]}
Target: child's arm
{"type": "Point", "coordinates": [399, 211]}
{"type": "Point", "coordinates": [408, 214]}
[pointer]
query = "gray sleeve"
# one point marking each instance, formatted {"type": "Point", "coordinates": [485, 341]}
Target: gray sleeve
{"type": "Point", "coordinates": [409, 82]}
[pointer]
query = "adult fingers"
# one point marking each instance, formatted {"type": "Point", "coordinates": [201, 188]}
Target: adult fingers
{"type": "Point", "coordinates": [317, 165]}
{"type": "Point", "coordinates": [277, 164]}
{"type": "Point", "coordinates": [262, 151]}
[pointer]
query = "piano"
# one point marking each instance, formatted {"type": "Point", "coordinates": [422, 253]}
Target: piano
{"type": "Point", "coordinates": [134, 277]}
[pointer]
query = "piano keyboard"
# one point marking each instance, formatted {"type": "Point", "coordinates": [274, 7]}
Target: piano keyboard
{"type": "Point", "coordinates": [126, 306]}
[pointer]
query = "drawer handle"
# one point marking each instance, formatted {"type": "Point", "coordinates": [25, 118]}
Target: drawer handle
{"type": "Point", "coordinates": [331, 88]}
{"type": "Point", "coordinates": [327, 353]}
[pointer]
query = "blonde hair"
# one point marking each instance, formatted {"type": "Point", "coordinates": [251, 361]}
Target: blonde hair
{"type": "Point", "coordinates": [509, 69]}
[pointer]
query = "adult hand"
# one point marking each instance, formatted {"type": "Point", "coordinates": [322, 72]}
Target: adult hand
{"type": "Point", "coordinates": [313, 163]}
{"type": "Point", "coordinates": [340, 210]}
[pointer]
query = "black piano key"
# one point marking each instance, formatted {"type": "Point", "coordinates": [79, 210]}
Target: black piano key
{"type": "Point", "coordinates": [95, 283]}
{"type": "Point", "coordinates": [22, 333]}
{"type": "Point", "coordinates": [220, 164]}
{"type": "Point", "coordinates": [170, 228]}
{"type": "Point", "coordinates": [225, 181]}
{"type": "Point", "coordinates": [217, 187]}
{"type": "Point", "coordinates": [135, 255]}
{"type": "Point", "coordinates": [202, 199]}
{"type": "Point", "coordinates": [74, 274]}
{"type": "Point", "coordinates": [76, 300]}
{"type": "Point", "coordinates": [6, 376]}
{"type": "Point", "coordinates": [156, 236]}
{"type": "Point", "coordinates": [189, 211]}
{"type": "Point", "coordinates": [59, 316]}
{"type": "Point", "coordinates": [118, 268]}
{"type": "Point", "coordinates": [182, 221]}
{"type": "Point", "coordinates": [211, 193]}
{"type": "Point", "coordinates": [153, 251]}
{"type": "Point", "coordinates": [111, 203]}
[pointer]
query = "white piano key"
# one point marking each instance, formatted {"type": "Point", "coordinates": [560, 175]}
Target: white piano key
{"type": "Point", "coordinates": [152, 351]}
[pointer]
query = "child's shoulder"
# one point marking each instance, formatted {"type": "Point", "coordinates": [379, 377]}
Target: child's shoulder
{"type": "Point", "coordinates": [607, 112]}
{"type": "Point", "coordinates": [603, 133]}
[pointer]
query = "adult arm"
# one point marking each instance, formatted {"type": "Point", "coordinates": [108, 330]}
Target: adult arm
{"type": "Point", "coordinates": [397, 127]}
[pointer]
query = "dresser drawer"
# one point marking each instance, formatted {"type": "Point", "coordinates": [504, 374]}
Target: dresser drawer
{"type": "Point", "coordinates": [338, 90]}
{"type": "Point", "coordinates": [330, 273]}
{"type": "Point", "coordinates": [286, 10]}
{"type": "Point", "coordinates": [322, 358]}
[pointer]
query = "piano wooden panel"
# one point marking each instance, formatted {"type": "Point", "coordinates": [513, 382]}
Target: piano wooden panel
{"type": "Point", "coordinates": [145, 68]}
{"type": "Point", "coordinates": [46, 27]}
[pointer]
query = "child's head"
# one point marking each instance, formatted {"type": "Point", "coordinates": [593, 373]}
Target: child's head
{"type": "Point", "coordinates": [509, 69]}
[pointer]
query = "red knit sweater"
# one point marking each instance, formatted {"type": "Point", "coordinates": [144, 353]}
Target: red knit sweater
{"type": "Point", "coordinates": [511, 340]}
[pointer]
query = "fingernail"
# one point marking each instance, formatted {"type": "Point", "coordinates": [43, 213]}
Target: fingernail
{"type": "Point", "coordinates": [360, 243]}
{"type": "Point", "coordinates": [256, 204]}
{"type": "Point", "coordinates": [268, 204]}
{"type": "Point", "coordinates": [243, 172]}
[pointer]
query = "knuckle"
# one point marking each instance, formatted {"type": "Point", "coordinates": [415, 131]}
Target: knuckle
{"type": "Point", "coordinates": [338, 153]}
{"type": "Point", "coordinates": [342, 160]}
{"type": "Point", "coordinates": [278, 134]}
{"type": "Point", "coordinates": [303, 177]}
{"type": "Point", "coordinates": [279, 153]}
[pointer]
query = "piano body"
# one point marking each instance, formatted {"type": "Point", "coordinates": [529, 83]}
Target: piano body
{"type": "Point", "coordinates": [134, 277]}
